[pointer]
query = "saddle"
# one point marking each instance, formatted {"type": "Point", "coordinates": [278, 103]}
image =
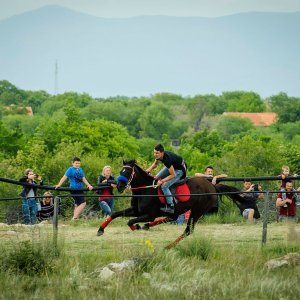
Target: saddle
{"type": "Point", "coordinates": [178, 188]}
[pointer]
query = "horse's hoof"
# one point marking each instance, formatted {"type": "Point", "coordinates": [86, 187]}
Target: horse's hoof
{"type": "Point", "coordinates": [100, 232]}
{"type": "Point", "coordinates": [134, 227]}
{"type": "Point", "coordinates": [146, 227]}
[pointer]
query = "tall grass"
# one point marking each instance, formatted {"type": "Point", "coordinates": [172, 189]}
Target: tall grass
{"type": "Point", "coordinates": [229, 265]}
{"type": "Point", "coordinates": [28, 258]}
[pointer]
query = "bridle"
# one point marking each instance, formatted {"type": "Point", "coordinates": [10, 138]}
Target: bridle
{"type": "Point", "coordinates": [132, 175]}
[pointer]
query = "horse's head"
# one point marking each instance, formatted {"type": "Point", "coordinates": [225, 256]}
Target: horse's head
{"type": "Point", "coordinates": [126, 175]}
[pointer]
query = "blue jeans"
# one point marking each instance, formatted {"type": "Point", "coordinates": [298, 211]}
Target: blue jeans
{"type": "Point", "coordinates": [163, 173]}
{"type": "Point", "coordinates": [180, 219]}
{"type": "Point", "coordinates": [107, 206]}
{"type": "Point", "coordinates": [29, 210]}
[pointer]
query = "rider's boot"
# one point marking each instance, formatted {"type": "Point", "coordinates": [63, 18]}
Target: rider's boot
{"type": "Point", "coordinates": [168, 209]}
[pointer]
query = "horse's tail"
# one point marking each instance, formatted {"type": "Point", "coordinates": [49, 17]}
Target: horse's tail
{"type": "Point", "coordinates": [233, 193]}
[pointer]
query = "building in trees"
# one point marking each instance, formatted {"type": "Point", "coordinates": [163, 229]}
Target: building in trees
{"type": "Point", "coordinates": [257, 119]}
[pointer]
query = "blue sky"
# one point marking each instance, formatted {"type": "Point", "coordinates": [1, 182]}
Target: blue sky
{"type": "Point", "coordinates": [129, 8]}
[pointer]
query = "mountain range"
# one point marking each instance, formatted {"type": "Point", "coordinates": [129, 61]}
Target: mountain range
{"type": "Point", "coordinates": [149, 54]}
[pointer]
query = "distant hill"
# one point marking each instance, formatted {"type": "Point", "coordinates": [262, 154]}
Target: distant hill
{"type": "Point", "coordinates": [149, 54]}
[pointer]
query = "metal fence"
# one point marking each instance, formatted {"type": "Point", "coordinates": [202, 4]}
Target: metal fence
{"type": "Point", "coordinates": [265, 211]}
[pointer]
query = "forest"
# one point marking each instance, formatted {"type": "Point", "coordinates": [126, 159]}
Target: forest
{"type": "Point", "coordinates": [106, 131]}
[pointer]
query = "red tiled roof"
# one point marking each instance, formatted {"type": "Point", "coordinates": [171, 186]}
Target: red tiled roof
{"type": "Point", "coordinates": [28, 109]}
{"type": "Point", "coordinates": [258, 119]}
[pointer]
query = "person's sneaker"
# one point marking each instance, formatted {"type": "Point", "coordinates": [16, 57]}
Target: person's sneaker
{"type": "Point", "coordinates": [168, 209]}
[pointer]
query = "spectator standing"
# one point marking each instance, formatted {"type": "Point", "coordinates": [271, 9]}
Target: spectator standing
{"type": "Point", "coordinates": [106, 198]}
{"type": "Point", "coordinates": [29, 202]}
{"type": "Point", "coordinates": [286, 202]}
{"type": "Point", "coordinates": [76, 177]}
{"type": "Point", "coordinates": [285, 172]}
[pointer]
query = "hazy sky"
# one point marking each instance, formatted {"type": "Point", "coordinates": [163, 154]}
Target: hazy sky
{"type": "Point", "coordinates": [129, 8]}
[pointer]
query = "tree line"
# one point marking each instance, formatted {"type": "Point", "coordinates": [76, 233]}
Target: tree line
{"type": "Point", "coordinates": [105, 131]}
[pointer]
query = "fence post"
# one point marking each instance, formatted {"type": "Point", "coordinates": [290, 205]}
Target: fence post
{"type": "Point", "coordinates": [265, 221]}
{"type": "Point", "coordinates": [55, 221]}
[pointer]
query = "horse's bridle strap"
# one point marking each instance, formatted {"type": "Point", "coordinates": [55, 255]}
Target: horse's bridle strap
{"type": "Point", "coordinates": [131, 176]}
{"type": "Point", "coordinates": [144, 187]}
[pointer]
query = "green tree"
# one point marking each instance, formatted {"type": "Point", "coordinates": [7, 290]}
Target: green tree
{"type": "Point", "coordinates": [287, 108]}
{"type": "Point", "coordinates": [288, 130]}
{"type": "Point", "coordinates": [209, 142]}
{"type": "Point", "coordinates": [229, 127]}
{"type": "Point", "coordinates": [195, 159]}
{"type": "Point", "coordinates": [250, 157]}
{"type": "Point", "coordinates": [10, 94]}
{"type": "Point", "coordinates": [200, 106]}
{"type": "Point", "coordinates": [167, 98]}
{"type": "Point", "coordinates": [123, 112]}
{"type": "Point", "coordinates": [10, 140]}
{"type": "Point", "coordinates": [155, 121]}
{"type": "Point", "coordinates": [240, 101]}
{"type": "Point", "coordinates": [55, 103]}
{"type": "Point", "coordinates": [35, 99]}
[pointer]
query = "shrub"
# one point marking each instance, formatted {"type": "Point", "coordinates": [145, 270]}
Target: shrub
{"type": "Point", "coordinates": [197, 247]}
{"type": "Point", "coordinates": [27, 258]}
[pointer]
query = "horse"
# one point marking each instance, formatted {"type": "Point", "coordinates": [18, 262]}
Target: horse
{"type": "Point", "coordinates": [146, 205]}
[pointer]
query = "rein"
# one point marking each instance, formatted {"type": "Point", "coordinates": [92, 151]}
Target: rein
{"type": "Point", "coordinates": [139, 187]}
{"type": "Point", "coordinates": [144, 187]}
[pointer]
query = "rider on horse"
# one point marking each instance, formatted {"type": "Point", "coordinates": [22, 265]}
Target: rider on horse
{"type": "Point", "coordinates": [174, 169]}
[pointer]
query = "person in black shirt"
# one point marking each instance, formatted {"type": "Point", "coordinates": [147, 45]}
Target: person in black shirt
{"type": "Point", "coordinates": [174, 169]}
{"type": "Point", "coordinates": [29, 202]}
{"type": "Point", "coordinates": [248, 206]}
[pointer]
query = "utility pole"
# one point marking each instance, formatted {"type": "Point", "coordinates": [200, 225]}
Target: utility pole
{"type": "Point", "coordinates": [56, 78]}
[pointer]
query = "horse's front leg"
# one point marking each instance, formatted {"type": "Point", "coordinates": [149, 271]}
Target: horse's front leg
{"type": "Point", "coordinates": [123, 213]}
{"type": "Point", "coordinates": [132, 223]}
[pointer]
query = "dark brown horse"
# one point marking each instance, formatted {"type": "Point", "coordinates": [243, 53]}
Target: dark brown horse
{"type": "Point", "coordinates": [145, 204]}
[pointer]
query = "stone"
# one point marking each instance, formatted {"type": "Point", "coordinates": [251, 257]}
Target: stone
{"type": "Point", "coordinates": [290, 259]}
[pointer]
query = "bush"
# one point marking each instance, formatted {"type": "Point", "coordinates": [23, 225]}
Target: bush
{"type": "Point", "coordinates": [197, 247]}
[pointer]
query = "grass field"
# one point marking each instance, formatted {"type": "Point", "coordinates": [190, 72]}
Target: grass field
{"type": "Point", "coordinates": [219, 261]}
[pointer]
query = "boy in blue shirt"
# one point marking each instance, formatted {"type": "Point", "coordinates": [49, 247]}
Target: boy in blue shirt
{"type": "Point", "coordinates": [77, 178]}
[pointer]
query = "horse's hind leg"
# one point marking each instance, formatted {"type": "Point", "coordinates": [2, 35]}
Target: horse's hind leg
{"type": "Point", "coordinates": [126, 213]}
{"type": "Point", "coordinates": [156, 222]}
{"type": "Point", "coordinates": [188, 230]}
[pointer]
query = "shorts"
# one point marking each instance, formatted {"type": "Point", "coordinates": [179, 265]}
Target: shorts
{"type": "Point", "coordinates": [246, 213]}
{"type": "Point", "coordinates": [78, 199]}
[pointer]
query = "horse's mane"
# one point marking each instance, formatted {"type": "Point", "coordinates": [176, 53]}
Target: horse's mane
{"type": "Point", "coordinates": [131, 162]}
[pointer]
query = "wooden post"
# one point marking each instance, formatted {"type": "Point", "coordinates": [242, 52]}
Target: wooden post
{"type": "Point", "coordinates": [265, 220]}
{"type": "Point", "coordinates": [55, 221]}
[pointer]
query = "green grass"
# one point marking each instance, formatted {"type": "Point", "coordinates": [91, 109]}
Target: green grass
{"type": "Point", "coordinates": [216, 262]}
